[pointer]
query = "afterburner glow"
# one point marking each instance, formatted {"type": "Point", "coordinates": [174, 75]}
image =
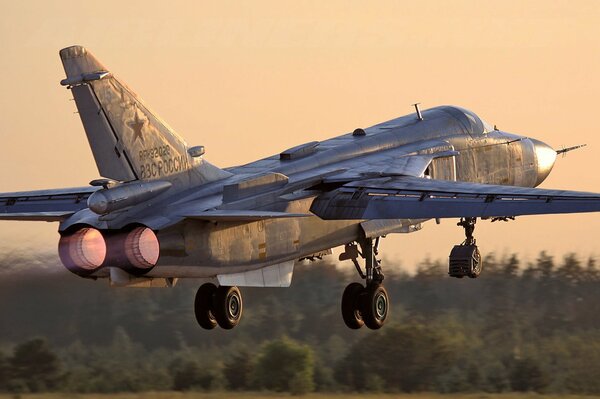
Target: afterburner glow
{"type": "Point", "coordinates": [84, 249]}
{"type": "Point", "coordinates": [142, 248]}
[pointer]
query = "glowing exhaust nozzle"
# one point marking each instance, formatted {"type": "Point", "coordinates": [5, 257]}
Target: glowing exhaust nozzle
{"type": "Point", "coordinates": [83, 250]}
{"type": "Point", "coordinates": [142, 248]}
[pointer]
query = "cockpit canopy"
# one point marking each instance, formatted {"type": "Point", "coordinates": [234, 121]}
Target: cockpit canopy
{"type": "Point", "coordinates": [474, 123]}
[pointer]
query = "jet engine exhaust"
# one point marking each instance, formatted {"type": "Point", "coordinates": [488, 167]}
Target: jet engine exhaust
{"type": "Point", "coordinates": [86, 250]}
{"type": "Point", "coordinates": [83, 251]}
{"type": "Point", "coordinates": [142, 248]}
{"type": "Point", "coordinates": [135, 251]}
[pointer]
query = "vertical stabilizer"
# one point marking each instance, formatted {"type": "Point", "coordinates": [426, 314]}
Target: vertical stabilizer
{"type": "Point", "coordinates": [128, 140]}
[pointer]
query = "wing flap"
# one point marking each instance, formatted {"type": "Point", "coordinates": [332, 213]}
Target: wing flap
{"type": "Point", "coordinates": [44, 205]}
{"type": "Point", "coordinates": [420, 198]}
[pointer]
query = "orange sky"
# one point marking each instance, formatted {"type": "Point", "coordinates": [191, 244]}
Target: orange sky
{"type": "Point", "coordinates": [249, 79]}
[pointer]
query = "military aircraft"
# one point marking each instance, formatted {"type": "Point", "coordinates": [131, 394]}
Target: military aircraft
{"type": "Point", "coordinates": [162, 212]}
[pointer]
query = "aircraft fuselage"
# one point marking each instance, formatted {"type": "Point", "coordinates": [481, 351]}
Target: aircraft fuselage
{"type": "Point", "coordinates": [199, 248]}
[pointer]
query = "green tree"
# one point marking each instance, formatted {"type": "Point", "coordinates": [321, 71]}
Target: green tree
{"type": "Point", "coordinates": [496, 377]}
{"type": "Point", "coordinates": [545, 265]}
{"type": "Point", "coordinates": [511, 267]}
{"type": "Point", "coordinates": [36, 366]}
{"type": "Point", "coordinates": [527, 375]}
{"type": "Point", "coordinates": [190, 376]}
{"type": "Point", "coordinates": [571, 269]}
{"type": "Point", "coordinates": [285, 365]}
{"type": "Point", "coordinates": [4, 372]}
{"type": "Point", "coordinates": [238, 371]}
{"type": "Point", "coordinates": [409, 357]}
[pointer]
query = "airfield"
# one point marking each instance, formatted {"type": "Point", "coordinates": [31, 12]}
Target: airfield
{"type": "Point", "coordinates": [229, 395]}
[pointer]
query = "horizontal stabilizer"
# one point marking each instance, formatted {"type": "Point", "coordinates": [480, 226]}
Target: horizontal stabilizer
{"type": "Point", "coordinates": [420, 198]}
{"type": "Point", "coordinates": [242, 215]}
{"type": "Point", "coordinates": [44, 205]}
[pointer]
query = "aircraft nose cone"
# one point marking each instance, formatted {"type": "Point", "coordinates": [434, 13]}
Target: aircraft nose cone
{"type": "Point", "coordinates": [545, 157]}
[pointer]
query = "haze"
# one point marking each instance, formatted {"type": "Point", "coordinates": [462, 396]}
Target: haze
{"type": "Point", "coordinates": [249, 79]}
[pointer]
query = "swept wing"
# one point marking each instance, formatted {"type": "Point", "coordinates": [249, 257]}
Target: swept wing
{"type": "Point", "coordinates": [422, 198]}
{"type": "Point", "coordinates": [44, 205]}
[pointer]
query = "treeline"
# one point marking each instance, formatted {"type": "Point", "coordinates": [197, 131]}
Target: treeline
{"type": "Point", "coordinates": [280, 365]}
{"type": "Point", "coordinates": [519, 327]}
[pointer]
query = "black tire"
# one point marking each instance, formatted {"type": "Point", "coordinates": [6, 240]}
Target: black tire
{"type": "Point", "coordinates": [228, 307]}
{"type": "Point", "coordinates": [375, 306]}
{"type": "Point", "coordinates": [351, 306]}
{"type": "Point", "coordinates": [203, 306]}
{"type": "Point", "coordinates": [477, 264]}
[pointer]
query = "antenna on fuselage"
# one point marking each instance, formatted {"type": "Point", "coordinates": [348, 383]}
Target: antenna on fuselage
{"type": "Point", "coordinates": [419, 115]}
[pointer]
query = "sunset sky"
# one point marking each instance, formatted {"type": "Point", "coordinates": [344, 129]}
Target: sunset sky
{"type": "Point", "coordinates": [248, 79]}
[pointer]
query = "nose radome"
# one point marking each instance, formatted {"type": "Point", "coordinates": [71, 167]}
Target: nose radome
{"type": "Point", "coordinates": [545, 157]}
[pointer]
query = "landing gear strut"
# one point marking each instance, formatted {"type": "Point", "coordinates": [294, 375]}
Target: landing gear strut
{"type": "Point", "coordinates": [367, 304]}
{"type": "Point", "coordinates": [218, 305]}
{"type": "Point", "coordinates": [465, 258]}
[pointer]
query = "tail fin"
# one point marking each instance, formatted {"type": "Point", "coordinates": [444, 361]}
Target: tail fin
{"type": "Point", "coordinates": [128, 140]}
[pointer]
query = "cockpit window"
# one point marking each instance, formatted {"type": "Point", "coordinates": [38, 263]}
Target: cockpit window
{"type": "Point", "coordinates": [470, 120]}
{"type": "Point", "coordinates": [487, 127]}
{"type": "Point", "coordinates": [477, 125]}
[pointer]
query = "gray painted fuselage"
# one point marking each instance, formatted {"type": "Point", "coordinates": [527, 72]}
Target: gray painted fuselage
{"type": "Point", "coordinates": [204, 248]}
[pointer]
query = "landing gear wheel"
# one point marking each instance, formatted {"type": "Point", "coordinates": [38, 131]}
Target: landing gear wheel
{"type": "Point", "coordinates": [465, 261]}
{"type": "Point", "coordinates": [375, 306]}
{"type": "Point", "coordinates": [465, 258]}
{"type": "Point", "coordinates": [477, 264]}
{"type": "Point", "coordinates": [228, 307]}
{"type": "Point", "coordinates": [203, 306]}
{"type": "Point", "coordinates": [351, 306]}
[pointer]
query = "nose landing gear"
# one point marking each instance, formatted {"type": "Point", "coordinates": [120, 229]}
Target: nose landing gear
{"type": "Point", "coordinates": [365, 305]}
{"type": "Point", "coordinates": [465, 258]}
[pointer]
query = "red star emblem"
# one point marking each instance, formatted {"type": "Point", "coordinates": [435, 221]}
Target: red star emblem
{"type": "Point", "coordinates": [136, 125]}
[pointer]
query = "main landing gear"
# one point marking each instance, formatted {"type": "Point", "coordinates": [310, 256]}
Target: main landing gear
{"type": "Point", "coordinates": [218, 305]}
{"type": "Point", "coordinates": [465, 258]}
{"type": "Point", "coordinates": [365, 305]}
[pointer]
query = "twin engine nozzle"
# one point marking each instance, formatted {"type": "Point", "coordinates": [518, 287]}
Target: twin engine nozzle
{"type": "Point", "coordinates": [87, 250]}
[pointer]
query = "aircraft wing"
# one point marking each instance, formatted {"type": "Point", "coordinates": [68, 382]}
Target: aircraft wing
{"type": "Point", "coordinates": [44, 205]}
{"type": "Point", "coordinates": [408, 197]}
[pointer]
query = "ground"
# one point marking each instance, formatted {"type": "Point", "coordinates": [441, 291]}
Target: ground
{"type": "Point", "coordinates": [270, 395]}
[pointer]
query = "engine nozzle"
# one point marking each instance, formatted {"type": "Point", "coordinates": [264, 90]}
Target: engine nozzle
{"type": "Point", "coordinates": [86, 250]}
{"type": "Point", "coordinates": [142, 248]}
{"type": "Point", "coordinates": [83, 251]}
{"type": "Point", "coordinates": [136, 250]}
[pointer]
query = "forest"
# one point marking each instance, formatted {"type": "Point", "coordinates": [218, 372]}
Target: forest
{"type": "Point", "coordinates": [523, 326]}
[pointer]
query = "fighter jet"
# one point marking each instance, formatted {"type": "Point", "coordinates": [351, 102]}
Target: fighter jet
{"type": "Point", "coordinates": [161, 211]}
